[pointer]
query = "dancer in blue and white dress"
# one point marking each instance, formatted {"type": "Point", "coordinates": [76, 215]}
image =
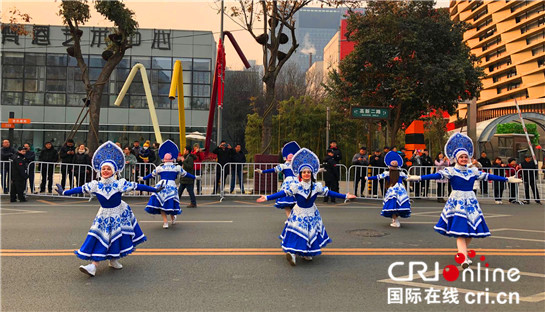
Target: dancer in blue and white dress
{"type": "Point", "coordinates": [462, 216]}
{"type": "Point", "coordinates": [115, 232]}
{"type": "Point", "coordinates": [304, 233]}
{"type": "Point", "coordinates": [166, 202]}
{"type": "Point", "coordinates": [396, 201]}
{"type": "Point", "coordinates": [288, 151]}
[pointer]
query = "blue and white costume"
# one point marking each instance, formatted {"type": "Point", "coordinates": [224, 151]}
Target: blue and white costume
{"type": "Point", "coordinates": [115, 231]}
{"type": "Point", "coordinates": [462, 215]}
{"type": "Point", "coordinates": [396, 201]}
{"type": "Point", "coordinates": [167, 199]}
{"type": "Point", "coordinates": [304, 233]}
{"type": "Point", "coordinates": [289, 177]}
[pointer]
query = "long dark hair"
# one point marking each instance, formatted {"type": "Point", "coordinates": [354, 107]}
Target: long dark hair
{"type": "Point", "coordinates": [394, 176]}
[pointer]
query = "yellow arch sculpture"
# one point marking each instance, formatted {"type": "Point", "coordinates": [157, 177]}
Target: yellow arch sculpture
{"type": "Point", "coordinates": [149, 97]}
{"type": "Point", "coordinates": [178, 83]}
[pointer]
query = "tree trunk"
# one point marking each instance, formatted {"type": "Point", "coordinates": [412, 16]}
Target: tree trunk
{"type": "Point", "coordinates": [94, 118]}
{"type": "Point", "coordinates": [270, 104]}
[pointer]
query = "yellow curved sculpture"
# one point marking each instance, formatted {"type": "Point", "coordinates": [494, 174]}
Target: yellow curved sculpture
{"type": "Point", "coordinates": [149, 97]}
{"type": "Point", "coordinates": [178, 83]}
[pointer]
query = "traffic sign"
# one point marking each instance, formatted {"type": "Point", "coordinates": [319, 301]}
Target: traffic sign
{"type": "Point", "coordinates": [19, 121]}
{"type": "Point", "coordinates": [8, 125]}
{"type": "Point", "coordinates": [369, 112]}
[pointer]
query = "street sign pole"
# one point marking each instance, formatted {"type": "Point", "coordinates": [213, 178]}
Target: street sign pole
{"type": "Point", "coordinates": [526, 132]}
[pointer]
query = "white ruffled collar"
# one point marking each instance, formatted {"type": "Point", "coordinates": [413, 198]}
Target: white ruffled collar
{"type": "Point", "coordinates": [108, 180]}
{"type": "Point", "coordinates": [460, 167]}
{"type": "Point", "coordinates": [306, 185]}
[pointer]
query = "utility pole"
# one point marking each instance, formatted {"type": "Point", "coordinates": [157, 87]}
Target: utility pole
{"type": "Point", "coordinates": [327, 128]}
{"type": "Point", "coordinates": [220, 105]}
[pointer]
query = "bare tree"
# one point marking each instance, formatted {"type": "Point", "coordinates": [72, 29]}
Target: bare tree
{"type": "Point", "coordinates": [76, 13]}
{"type": "Point", "coordinates": [272, 23]}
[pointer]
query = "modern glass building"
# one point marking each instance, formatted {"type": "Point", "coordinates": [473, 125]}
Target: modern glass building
{"type": "Point", "coordinates": [42, 83]}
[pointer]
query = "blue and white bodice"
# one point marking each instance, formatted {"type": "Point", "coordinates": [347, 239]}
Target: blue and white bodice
{"type": "Point", "coordinates": [462, 178]}
{"type": "Point", "coordinates": [168, 173]}
{"type": "Point", "coordinates": [305, 193]}
{"type": "Point", "coordinates": [109, 191]}
{"type": "Point", "coordinates": [289, 176]}
{"type": "Point", "coordinates": [396, 190]}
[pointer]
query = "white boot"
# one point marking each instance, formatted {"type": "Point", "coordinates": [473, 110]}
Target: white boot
{"type": "Point", "coordinates": [165, 225]}
{"type": "Point", "coordinates": [291, 258]}
{"type": "Point", "coordinates": [89, 269]}
{"type": "Point", "coordinates": [114, 263]}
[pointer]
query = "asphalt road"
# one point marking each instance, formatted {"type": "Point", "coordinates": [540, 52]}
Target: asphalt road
{"type": "Point", "coordinates": [227, 257]}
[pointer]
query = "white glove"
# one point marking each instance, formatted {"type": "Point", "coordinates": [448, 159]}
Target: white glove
{"type": "Point", "coordinates": [321, 170]}
{"type": "Point", "coordinates": [366, 178]}
{"type": "Point", "coordinates": [413, 178]}
{"type": "Point", "coordinates": [140, 179]}
{"type": "Point", "coordinates": [514, 180]}
{"type": "Point", "coordinates": [198, 178]}
{"type": "Point", "coordinates": [259, 171]}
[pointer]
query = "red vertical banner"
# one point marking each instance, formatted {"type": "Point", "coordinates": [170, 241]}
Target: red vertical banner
{"type": "Point", "coordinates": [215, 96]}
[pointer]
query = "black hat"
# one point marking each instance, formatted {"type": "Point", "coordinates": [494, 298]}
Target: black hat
{"type": "Point", "coordinates": [329, 150]}
{"type": "Point", "coordinates": [363, 148]}
{"type": "Point", "coordinates": [20, 148]}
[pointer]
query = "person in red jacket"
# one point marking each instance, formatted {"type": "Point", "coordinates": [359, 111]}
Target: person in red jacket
{"type": "Point", "coordinates": [199, 157]}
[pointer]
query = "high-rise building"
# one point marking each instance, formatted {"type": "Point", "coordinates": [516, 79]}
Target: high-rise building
{"type": "Point", "coordinates": [42, 83]}
{"type": "Point", "coordinates": [314, 27]}
{"type": "Point", "coordinates": [509, 39]}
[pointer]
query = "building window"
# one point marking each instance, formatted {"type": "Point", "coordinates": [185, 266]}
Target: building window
{"type": "Point", "coordinates": [519, 4]}
{"type": "Point", "coordinates": [538, 50]}
{"type": "Point", "coordinates": [541, 62]}
{"type": "Point", "coordinates": [481, 14]}
{"type": "Point", "coordinates": [484, 24]}
{"type": "Point", "coordinates": [535, 37]}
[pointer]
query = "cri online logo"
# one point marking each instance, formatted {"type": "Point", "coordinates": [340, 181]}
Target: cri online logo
{"type": "Point", "coordinates": [451, 272]}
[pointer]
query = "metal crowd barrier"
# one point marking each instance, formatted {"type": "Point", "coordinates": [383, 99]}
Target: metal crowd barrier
{"type": "Point", "coordinates": [5, 172]}
{"type": "Point", "coordinates": [533, 185]}
{"type": "Point", "coordinates": [372, 189]}
{"type": "Point", "coordinates": [240, 179]}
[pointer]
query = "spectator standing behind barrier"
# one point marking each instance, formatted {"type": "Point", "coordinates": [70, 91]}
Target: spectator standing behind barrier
{"type": "Point", "coordinates": [19, 175]}
{"type": "Point", "coordinates": [376, 162]}
{"type": "Point", "coordinates": [427, 162]}
{"type": "Point", "coordinates": [441, 162]}
{"type": "Point", "coordinates": [331, 174]}
{"type": "Point", "coordinates": [511, 172]}
{"type": "Point", "coordinates": [82, 159]}
{"type": "Point", "coordinates": [199, 158]}
{"type": "Point", "coordinates": [130, 163]}
{"type": "Point", "coordinates": [7, 153]}
{"type": "Point", "coordinates": [187, 161]}
{"type": "Point", "coordinates": [485, 163]}
{"type": "Point", "coordinates": [155, 150]}
{"type": "Point", "coordinates": [30, 157]}
{"type": "Point", "coordinates": [499, 170]}
{"type": "Point", "coordinates": [529, 176]}
{"type": "Point", "coordinates": [416, 161]}
{"type": "Point", "coordinates": [475, 164]}
{"type": "Point", "coordinates": [145, 158]}
{"type": "Point", "coordinates": [66, 154]}
{"type": "Point", "coordinates": [403, 154]}
{"type": "Point", "coordinates": [224, 152]}
{"type": "Point", "coordinates": [236, 170]}
{"type": "Point", "coordinates": [135, 150]}
{"type": "Point", "coordinates": [360, 159]}
{"type": "Point", "coordinates": [48, 154]}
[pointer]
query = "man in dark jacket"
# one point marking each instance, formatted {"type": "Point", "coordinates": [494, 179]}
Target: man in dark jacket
{"type": "Point", "coordinates": [187, 161]}
{"type": "Point", "coordinates": [331, 174]}
{"type": "Point", "coordinates": [236, 170]}
{"type": "Point", "coordinates": [66, 154]}
{"type": "Point", "coordinates": [360, 159]}
{"type": "Point", "coordinates": [30, 157]}
{"type": "Point", "coordinates": [485, 163]}
{"type": "Point", "coordinates": [49, 155]}
{"type": "Point", "coordinates": [224, 153]}
{"type": "Point", "coordinates": [7, 153]}
{"type": "Point", "coordinates": [427, 162]}
{"type": "Point", "coordinates": [377, 163]}
{"type": "Point", "coordinates": [19, 175]}
{"type": "Point", "coordinates": [529, 175]}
